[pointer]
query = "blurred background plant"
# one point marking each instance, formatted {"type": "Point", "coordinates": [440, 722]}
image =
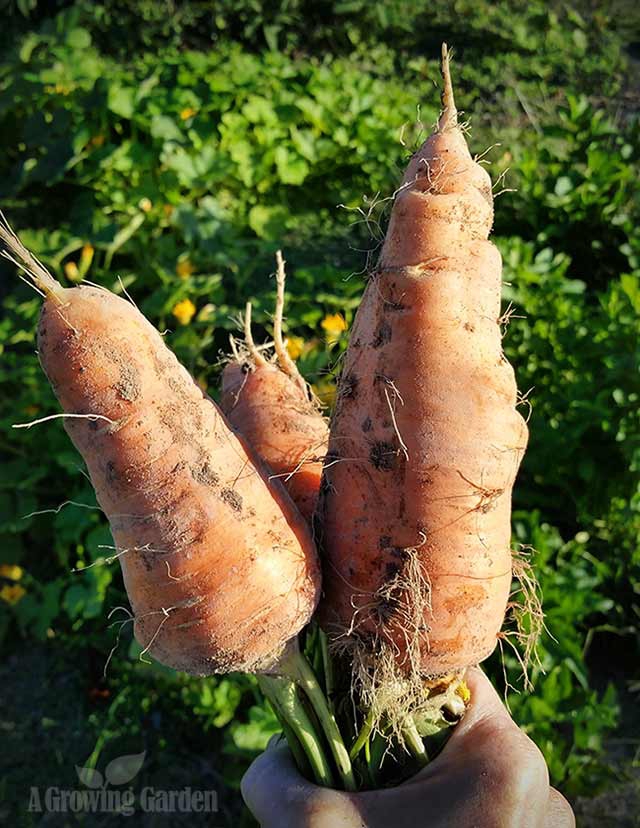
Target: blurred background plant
{"type": "Point", "coordinates": [168, 149]}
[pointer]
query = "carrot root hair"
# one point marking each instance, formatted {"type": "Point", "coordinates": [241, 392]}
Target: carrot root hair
{"type": "Point", "coordinates": [246, 350]}
{"type": "Point", "coordinates": [525, 615]}
{"type": "Point", "coordinates": [385, 683]}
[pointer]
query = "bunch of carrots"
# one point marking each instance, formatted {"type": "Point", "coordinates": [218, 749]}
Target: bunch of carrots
{"type": "Point", "coordinates": [356, 567]}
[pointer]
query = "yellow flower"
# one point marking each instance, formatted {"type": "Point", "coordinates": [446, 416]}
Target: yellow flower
{"type": "Point", "coordinates": [86, 257]}
{"type": "Point", "coordinates": [187, 112]}
{"type": "Point", "coordinates": [334, 325]}
{"type": "Point", "coordinates": [145, 205]}
{"type": "Point", "coordinates": [96, 141]}
{"type": "Point", "coordinates": [184, 311]}
{"type": "Point", "coordinates": [295, 346]}
{"type": "Point", "coordinates": [87, 252]}
{"type": "Point", "coordinates": [11, 571]}
{"type": "Point", "coordinates": [12, 594]}
{"type": "Point", "coordinates": [71, 271]}
{"type": "Point", "coordinates": [58, 89]}
{"type": "Point", "coordinates": [463, 691]}
{"type": "Point", "coordinates": [185, 268]}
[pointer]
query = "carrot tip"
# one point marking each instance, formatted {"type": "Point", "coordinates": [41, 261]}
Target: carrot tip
{"type": "Point", "coordinates": [449, 117]}
{"type": "Point", "coordinates": [39, 277]}
{"type": "Point", "coordinates": [284, 360]}
{"type": "Point", "coordinates": [250, 345]}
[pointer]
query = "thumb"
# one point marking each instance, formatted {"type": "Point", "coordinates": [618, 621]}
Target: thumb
{"type": "Point", "coordinates": [485, 705]}
{"type": "Point", "coordinates": [485, 724]}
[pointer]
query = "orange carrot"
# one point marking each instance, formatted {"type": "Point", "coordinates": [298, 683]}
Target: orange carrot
{"type": "Point", "coordinates": [219, 567]}
{"type": "Point", "coordinates": [426, 441]}
{"type": "Point", "coordinates": [273, 408]}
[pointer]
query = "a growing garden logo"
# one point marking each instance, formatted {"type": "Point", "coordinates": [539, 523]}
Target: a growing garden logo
{"type": "Point", "coordinates": [104, 793]}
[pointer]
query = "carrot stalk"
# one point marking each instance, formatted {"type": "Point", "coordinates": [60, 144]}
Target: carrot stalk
{"type": "Point", "coordinates": [376, 750]}
{"type": "Point", "coordinates": [327, 665]}
{"type": "Point", "coordinates": [363, 737]}
{"type": "Point", "coordinates": [297, 751]}
{"type": "Point", "coordinates": [295, 666]}
{"type": "Point", "coordinates": [414, 743]}
{"type": "Point", "coordinates": [282, 694]}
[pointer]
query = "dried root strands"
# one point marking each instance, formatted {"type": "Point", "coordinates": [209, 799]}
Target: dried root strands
{"type": "Point", "coordinates": [271, 405]}
{"type": "Point", "coordinates": [415, 503]}
{"type": "Point", "coordinates": [221, 570]}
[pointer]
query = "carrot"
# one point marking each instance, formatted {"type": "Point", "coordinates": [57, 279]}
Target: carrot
{"type": "Point", "coordinates": [271, 405]}
{"type": "Point", "coordinates": [219, 567]}
{"type": "Point", "coordinates": [414, 510]}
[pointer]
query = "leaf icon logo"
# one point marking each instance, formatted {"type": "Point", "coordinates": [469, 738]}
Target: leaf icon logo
{"type": "Point", "coordinates": [90, 777]}
{"type": "Point", "coordinates": [122, 769]}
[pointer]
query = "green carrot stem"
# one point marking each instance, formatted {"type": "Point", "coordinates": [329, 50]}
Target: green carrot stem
{"type": "Point", "coordinates": [282, 694]}
{"type": "Point", "coordinates": [300, 757]}
{"type": "Point", "coordinates": [363, 737]}
{"type": "Point", "coordinates": [317, 662]}
{"type": "Point", "coordinates": [296, 667]}
{"type": "Point", "coordinates": [328, 668]}
{"type": "Point", "coordinates": [414, 743]}
{"type": "Point", "coordinates": [378, 747]}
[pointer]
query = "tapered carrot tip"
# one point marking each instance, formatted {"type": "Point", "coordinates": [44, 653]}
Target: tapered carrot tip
{"type": "Point", "coordinates": [449, 117]}
{"type": "Point", "coordinates": [38, 275]}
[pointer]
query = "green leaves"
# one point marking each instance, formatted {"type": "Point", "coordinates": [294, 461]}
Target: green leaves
{"type": "Point", "coordinates": [78, 39]}
{"type": "Point", "coordinates": [268, 222]}
{"type": "Point", "coordinates": [252, 736]}
{"type": "Point", "coordinates": [291, 168]}
{"type": "Point", "coordinates": [85, 597]}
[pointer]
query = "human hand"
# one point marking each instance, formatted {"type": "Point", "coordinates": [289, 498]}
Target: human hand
{"type": "Point", "coordinates": [489, 775]}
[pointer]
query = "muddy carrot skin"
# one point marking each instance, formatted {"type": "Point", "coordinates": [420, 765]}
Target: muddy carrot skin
{"type": "Point", "coordinates": [270, 403]}
{"type": "Point", "coordinates": [426, 440]}
{"type": "Point", "coordinates": [282, 424]}
{"type": "Point", "coordinates": [219, 566]}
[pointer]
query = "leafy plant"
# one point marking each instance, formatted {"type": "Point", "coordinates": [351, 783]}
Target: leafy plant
{"type": "Point", "coordinates": [136, 155]}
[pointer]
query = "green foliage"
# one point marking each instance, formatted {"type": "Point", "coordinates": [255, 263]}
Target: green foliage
{"type": "Point", "coordinates": [139, 157]}
{"type": "Point", "coordinates": [581, 192]}
{"type": "Point", "coordinates": [564, 701]}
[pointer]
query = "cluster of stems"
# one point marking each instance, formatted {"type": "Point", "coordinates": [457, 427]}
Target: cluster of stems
{"type": "Point", "coordinates": [303, 696]}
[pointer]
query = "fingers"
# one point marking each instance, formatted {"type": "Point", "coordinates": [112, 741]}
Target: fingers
{"type": "Point", "coordinates": [271, 780]}
{"type": "Point", "coordinates": [491, 763]}
{"type": "Point", "coordinates": [514, 764]}
{"type": "Point", "coordinates": [489, 769]}
{"type": "Point", "coordinates": [279, 797]}
{"type": "Point", "coordinates": [559, 814]}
